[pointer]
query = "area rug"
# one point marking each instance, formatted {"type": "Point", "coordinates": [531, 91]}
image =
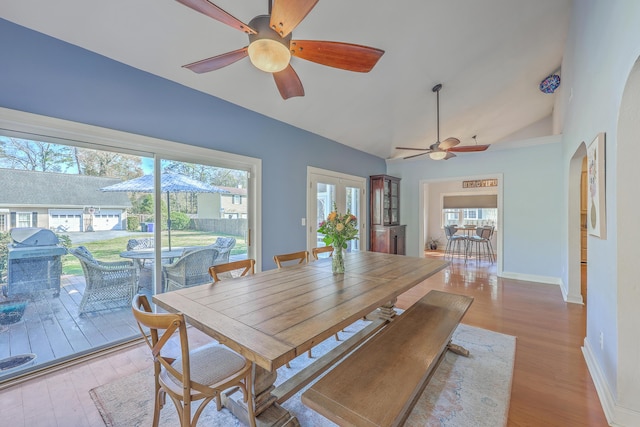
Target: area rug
{"type": "Point", "coordinates": [473, 391]}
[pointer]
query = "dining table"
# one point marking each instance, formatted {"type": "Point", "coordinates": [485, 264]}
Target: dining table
{"type": "Point", "coordinates": [277, 315]}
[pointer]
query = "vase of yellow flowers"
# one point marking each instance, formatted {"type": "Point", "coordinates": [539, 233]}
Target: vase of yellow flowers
{"type": "Point", "coordinates": [338, 229]}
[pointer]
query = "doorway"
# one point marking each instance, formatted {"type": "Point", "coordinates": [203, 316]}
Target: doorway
{"type": "Point", "coordinates": [326, 189]}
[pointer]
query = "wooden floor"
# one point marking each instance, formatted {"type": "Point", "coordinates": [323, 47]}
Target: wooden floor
{"type": "Point", "coordinates": [551, 384]}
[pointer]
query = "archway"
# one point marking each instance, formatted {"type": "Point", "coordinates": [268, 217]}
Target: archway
{"type": "Point", "coordinates": [628, 235]}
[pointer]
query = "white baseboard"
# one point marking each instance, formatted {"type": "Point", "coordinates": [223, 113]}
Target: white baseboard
{"type": "Point", "coordinates": [532, 278]}
{"type": "Point", "coordinates": [616, 415]}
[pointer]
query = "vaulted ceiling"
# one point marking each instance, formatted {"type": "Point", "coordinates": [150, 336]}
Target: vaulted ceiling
{"type": "Point", "coordinates": [490, 56]}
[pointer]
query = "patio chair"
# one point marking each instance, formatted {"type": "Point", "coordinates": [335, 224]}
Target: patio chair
{"type": "Point", "coordinates": [200, 374]}
{"type": "Point", "coordinates": [137, 244]}
{"type": "Point", "coordinates": [190, 269]}
{"type": "Point", "coordinates": [108, 284]}
{"type": "Point", "coordinates": [224, 246]}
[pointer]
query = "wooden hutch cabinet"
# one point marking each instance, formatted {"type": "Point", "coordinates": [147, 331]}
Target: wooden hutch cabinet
{"type": "Point", "coordinates": [387, 235]}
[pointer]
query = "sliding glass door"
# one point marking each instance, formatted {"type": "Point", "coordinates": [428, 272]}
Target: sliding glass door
{"type": "Point", "coordinates": [81, 209]}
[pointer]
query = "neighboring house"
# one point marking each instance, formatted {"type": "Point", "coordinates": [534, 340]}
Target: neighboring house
{"type": "Point", "coordinates": [231, 205]}
{"type": "Point", "coordinates": [61, 202]}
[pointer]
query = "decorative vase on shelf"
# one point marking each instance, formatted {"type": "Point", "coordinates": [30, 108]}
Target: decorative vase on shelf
{"type": "Point", "coordinates": [337, 263]}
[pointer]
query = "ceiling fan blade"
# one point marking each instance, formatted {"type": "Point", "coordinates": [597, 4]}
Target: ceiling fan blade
{"type": "Point", "coordinates": [288, 83]}
{"type": "Point", "coordinates": [217, 62]}
{"type": "Point", "coordinates": [469, 148]}
{"type": "Point", "coordinates": [415, 155]}
{"type": "Point", "coordinates": [449, 155]}
{"type": "Point", "coordinates": [287, 14]}
{"type": "Point", "coordinates": [211, 10]}
{"type": "Point", "coordinates": [449, 143]}
{"type": "Point", "coordinates": [347, 56]}
{"type": "Point", "coordinates": [411, 148]}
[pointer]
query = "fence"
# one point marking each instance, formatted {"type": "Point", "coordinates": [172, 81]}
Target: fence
{"type": "Point", "coordinates": [232, 227]}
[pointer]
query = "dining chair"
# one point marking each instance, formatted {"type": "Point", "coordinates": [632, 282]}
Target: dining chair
{"type": "Point", "coordinates": [199, 374]}
{"type": "Point", "coordinates": [302, 257]}
{"type": "Point", "coordinates": [232, 269]}
{"type": "Point", "coordinates": [321, 250]}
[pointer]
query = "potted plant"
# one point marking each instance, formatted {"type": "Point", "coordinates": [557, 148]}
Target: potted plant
{"type": "Point", "coordinates": [433, 243]}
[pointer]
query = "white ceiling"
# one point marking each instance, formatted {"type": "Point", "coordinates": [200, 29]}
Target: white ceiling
{"type": "Point", "coordinates": [490, 56]}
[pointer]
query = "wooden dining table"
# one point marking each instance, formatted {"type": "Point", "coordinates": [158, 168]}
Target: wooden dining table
{"type": "Point", "coordinates": [275, 316]}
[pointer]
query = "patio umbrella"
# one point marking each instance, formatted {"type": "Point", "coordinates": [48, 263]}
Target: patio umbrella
{"type": "Point", "coordinates": [169, 183]}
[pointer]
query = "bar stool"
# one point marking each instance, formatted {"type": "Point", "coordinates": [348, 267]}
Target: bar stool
{"type": "Point", "coordinates": [454, 241]}
{"type": "Point", "coordinates": [482, 243]}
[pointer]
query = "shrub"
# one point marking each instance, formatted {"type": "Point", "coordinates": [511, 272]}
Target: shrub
{"type": "Point", "coordinates": [179, 221]}
{"type": "Point", "coordinates": [133, 223]}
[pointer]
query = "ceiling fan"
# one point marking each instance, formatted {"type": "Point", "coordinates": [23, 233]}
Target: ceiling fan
{"type": "Point", "coordinates": [271, 46]}
{"type": "Point", "coordinates": [444, 150]}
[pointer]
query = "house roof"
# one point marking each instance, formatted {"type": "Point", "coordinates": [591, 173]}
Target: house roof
{"type": "Point", "coordinates": [235, 191]}
{"type": "Point", "coordinates": [29, 188]}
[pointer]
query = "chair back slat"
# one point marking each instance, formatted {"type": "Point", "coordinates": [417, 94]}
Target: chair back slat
{"type": "Point", "coordinates": [320, 250]}
{"type": "Point", "coordinates": [302, 257]}
{"type": "Point", "coordinates": [246, 265]}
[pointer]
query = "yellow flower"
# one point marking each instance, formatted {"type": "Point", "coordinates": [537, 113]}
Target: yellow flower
{"type": "Point", "coordinates": [339, 227]}
{"type": "Point", "coordinates": [332, 216]}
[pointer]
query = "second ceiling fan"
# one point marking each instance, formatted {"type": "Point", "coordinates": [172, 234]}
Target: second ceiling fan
{"type": "Point", "coordinates": [443, 150]}
{"type": "Point", "coordinates": [270, 45]}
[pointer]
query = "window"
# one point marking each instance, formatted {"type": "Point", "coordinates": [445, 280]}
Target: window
{"type": "Point", "coordinates": [237, 199]}
{"type": "Point", "coordinates": [477, 217]}
{"type": "Point", "coordinates": [23, 219]}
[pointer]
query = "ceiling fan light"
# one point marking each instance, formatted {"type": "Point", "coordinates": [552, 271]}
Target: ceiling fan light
{"type": "Point", "coordinates": [269, 55]}
{"type": "Point", "coordinates": [438, 155]}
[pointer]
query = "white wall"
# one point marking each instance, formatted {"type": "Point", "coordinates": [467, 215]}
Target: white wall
{"type": "Point", "coordinates": [531, 230]}
{"type": "Point", "coordinates": [602, 47]}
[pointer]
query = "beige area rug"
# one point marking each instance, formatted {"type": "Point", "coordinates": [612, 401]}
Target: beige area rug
{"type": "Point", "coordinates": [473, 391]}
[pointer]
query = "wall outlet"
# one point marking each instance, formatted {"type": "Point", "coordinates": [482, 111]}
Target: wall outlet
{"type": "Point", "coordinates": [601, 340]}
{"type": "Point", "coordinates": [303, 222]}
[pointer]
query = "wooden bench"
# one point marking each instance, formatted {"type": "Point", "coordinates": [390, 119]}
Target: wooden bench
{"type": "Point", "coordinates": [380, 382]}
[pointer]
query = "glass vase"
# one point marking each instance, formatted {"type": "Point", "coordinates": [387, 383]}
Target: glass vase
{"type": "Point", "coordinates": [337, 262]}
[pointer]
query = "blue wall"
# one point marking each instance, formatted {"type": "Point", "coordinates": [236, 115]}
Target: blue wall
{"type": "Point", "coordinates": [46, 76]}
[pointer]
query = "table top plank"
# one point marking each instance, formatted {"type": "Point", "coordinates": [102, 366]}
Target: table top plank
{"type": "Point", "coordinates": [274, 316]}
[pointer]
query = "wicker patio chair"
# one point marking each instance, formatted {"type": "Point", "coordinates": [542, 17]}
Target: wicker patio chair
{"type": "Point", "coordinates": [191, 269]}
{"type": "Point", "coordinates": [199, 374]}
{"type": "Point", "coordinates": [223, 245]}
{"type": "Point", "coordinates": [108, 284]}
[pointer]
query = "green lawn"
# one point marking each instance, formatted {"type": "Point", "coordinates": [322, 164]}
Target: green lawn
{"type": "Point", "coordinates": [109, 250]}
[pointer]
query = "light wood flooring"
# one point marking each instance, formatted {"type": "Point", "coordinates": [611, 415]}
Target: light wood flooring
{"type": "Point", "coordinates": [551, 384]}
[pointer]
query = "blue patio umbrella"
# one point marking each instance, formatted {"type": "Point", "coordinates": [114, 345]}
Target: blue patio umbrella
{"type": "Point", "coordinates": [170, 182]}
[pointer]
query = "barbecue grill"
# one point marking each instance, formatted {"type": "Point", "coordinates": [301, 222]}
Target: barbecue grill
{"type": "Point", "coordinates": [34, 262]}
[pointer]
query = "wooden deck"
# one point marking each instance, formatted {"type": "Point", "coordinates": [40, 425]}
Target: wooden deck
{"type": "Point", "coordinates": [52, 329]}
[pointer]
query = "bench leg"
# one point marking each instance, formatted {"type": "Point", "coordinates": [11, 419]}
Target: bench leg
{"type": "Point", "coordinates": [457, 349]}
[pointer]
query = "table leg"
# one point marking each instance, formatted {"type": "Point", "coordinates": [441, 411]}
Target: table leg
{"type": "Point", "coordinates": [268, 412]}
{"type": "Point", "coordinates": [385, 312]}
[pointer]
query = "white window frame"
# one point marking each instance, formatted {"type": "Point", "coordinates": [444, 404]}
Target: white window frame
{"type": "Point", "coordinates": [43, 128]}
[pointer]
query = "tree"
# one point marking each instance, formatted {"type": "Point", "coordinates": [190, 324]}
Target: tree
{"type": "Point", "coordinates": [40, 156]}
{"type": "Point", "coordinates": [108, 163]}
